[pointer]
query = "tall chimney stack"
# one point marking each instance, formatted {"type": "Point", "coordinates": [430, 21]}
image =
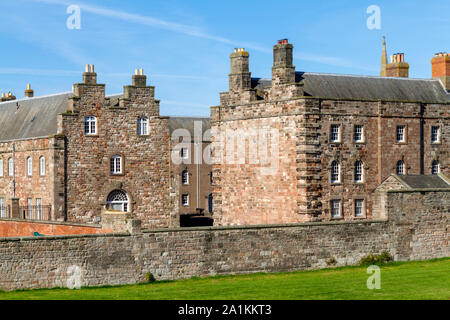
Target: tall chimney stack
{"type": "Point", "coordinates": [29, 93]}
{"type": "Point", "coordinates": [89, 76]}
{"type": "Point", "coordinates": [440, 66]}
{"type": "Point", "coordinates": [398, 68]}
{"type": "Point", "coordinates": [240, 77]}
{"type": "Point", "coordinates": [283, 70]}
{"type": "Point", "coordinates": [139, 79]}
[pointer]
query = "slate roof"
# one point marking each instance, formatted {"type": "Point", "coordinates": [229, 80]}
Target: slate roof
{"type": "Point", "coordinates": [188, 123]}
{"type": "Point", "coordinates": [352, 87]}
{"type": "Point", "coordinates": [424, 181]}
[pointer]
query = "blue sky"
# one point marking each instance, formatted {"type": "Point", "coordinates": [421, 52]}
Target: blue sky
{"type": "Point", "coordinates": [184, 46]}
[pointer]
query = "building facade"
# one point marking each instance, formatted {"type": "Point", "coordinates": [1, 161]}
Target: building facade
{"type": "Point", "coordinates": [333, 139]}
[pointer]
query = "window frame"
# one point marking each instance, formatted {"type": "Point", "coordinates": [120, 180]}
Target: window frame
{"type": "Point", "coordinates": [339, 133]}
{"type": "Point", "coordinates": [185, 183]}
{"type": "Point", "coordinates": [404, 134]}
{"type": "Point", "coordinates": [143, 126]}
{"type": "Point", "coordinates": [402, 163]}
{"type": "Point", "coordinates": [186, 156]}
{"type": "Point", "coordinates": [332, 173]}
{"type": "Point", "coordinates": [88, 120]}
{"type": "Point", "coordinates": [433, 163]}
{"type": "Point", "coordinates": [42, 170]}
{"type": "Point", "coordinates": [183, 204]}
{"type": "Point", "coordinates": [356, 173]}
{"type": "Point", "coordinates": [332, 208]}
{"type": "Point", "coordinates": [113, 165]}
{"type": "Point", "coordinates": [2, 207]}
{"type": "Point", "coordinates": [362, 133]}
{"type": "Point", "coordinates": [363, 207]}
{"type": "Point", "coordinates": [438, 135]}
{"type": "Point", "coordinates": [11, 167]}
{"type": "Point", "coordinates": [29, 166]}
{"type": "Point", "coordinates": [2, 168]}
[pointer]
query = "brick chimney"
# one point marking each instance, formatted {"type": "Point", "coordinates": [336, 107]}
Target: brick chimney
{"type": "Point", "coordinates": [398, 68]}
{"type": "Point", "coordinates": [283, 70]}
{"type": "Point", "coordinates": [440, 66]}
{"type": "Point", "coordinates": [89, 76]}
{"type": "Point", "coordinates": [29, 93]}
{"type": "Point", "coordinates": [139, 79]}
{"type": "Point", "coordinates": [239, 78]}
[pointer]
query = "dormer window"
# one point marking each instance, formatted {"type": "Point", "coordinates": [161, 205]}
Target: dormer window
{"type": "Point", "coordinates": [90, 125]}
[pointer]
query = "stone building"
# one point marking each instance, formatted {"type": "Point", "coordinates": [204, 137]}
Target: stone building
{"type": "Point", "coordinates": [331, 140]}
{"type": "Point", "coordinates": [72, 155]}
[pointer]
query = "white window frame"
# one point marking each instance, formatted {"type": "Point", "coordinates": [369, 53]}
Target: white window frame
{"type": "Point", "coordinates": [184, 153]}
{"type": "Point", "coordinates": [90, 125]}
{"type": "Point", "coordinates": [400, 168]}
{"type": "Point", "coordinates": [42, 166]}
{"type": "Point", "coordinates": [142, 126]}
{"type": "Point", "coordinates": [400, 134]}
{"type": "Point", "coordinates": [1, 168]}
{"type": "Point", "coordinates": [358, 130]}
{"type": "Point", "coordinates": [183, 202]}
{"type": "Point", "coordinates": [435, 134]}
{"type": "Point", "coordinates": [335, 133]}
{"type": "Point", "coordinates": [357, 207]}
{"type": "Point", "coordinates": [185, 177]}
{"type": "Point", "coordinates": [2, 208]}
{"type": "Point", "coordinates": [333, 208]}
{"type": "Point", "coordinates": [335, 174]}
{"type": "Point", "coordinates": [359, 171]}
{"type": "Point", "coordinates": [435, 167]}
{"type": "Point", "coordinates": [29, 166]}
{"type": "Point", "coordinates": [10, 167]}
{"type": "Point", "coordinates": [116, 165]}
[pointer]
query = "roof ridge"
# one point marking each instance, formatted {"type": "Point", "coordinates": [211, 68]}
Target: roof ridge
{"type": "Point", "coordinates": [39, 97]}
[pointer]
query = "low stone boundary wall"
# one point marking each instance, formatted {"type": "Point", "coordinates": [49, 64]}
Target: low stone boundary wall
{"type": "Point", "coordinates": [25, 228]}
{"type": "Point", "coordinates": [411, 232]}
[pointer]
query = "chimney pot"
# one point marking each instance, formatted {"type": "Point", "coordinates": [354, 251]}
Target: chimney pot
{"type": "Point", "coordinates": [29, 93]}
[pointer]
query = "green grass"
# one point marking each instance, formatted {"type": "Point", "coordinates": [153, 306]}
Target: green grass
{"type": "Point", "coordinates": [399, 280]}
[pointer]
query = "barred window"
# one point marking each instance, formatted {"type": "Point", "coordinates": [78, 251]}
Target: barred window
{"type": "Point", "coordinates": [185, 177]}
{"type": "Point", "coordinates": [359, 170]}
{"type": "Point", "coordinates": [401, 134]}
{"type": "Point", "coordinates": [143, 126]}
{"type": "Point", "coordinates": [335, 133]}
{"type": "Point", "coordinates": [335, 172]}
{"type": "Point", "coordinates": [359, 207]}
{"type": "Point", "coordinates": [90, 125]}
{"type": "Point", "coordinates": [335, 208]}
{"type": "Point", "coordinates": [358, 133]}
{"type": "Point", "coordinates": [435, 134]}
{"type": "Point", "coordinates": [116, 165]}
{"type": "Point", "coordinates": [400, 170]}
{"type": "Point", "coordinates": [435, 169]}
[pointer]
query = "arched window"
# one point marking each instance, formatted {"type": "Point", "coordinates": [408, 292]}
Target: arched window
{"type": "Point", "coordinates": [118, 201]}
{"type": "Point", "coordinates": [210, 203]}
{"type": "Point", "coordinates": [90, 125]}
{"type": "Point", "coordinates": [359, 171]}
{"type": "Point", "coordinates": [29, 166]}
{"type": "Point", "coordinates": [435, 169]}
{"type": "Point", "coordinates": [185, 177]}
{"type": "Point", "coordinates": [142, 126]}
{"type": "Point", "coordinates": [10, 167]}
{"type": "Point", "coordinates": [400, 169]}
{"type": "Point", "coordinates": [335, 172]}
{"type": "Point", "coordinates": [42, 166]}
{"type": "Point", "coordinates": [116, 165]}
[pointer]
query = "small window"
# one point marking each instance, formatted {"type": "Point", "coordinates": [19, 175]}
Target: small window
{"type": "Point", "coordinates": [359, 208]}
{"type": "Point", "coordinates": [10, 167]}
{"type": "Point", "coordinates": [400, 170]}
{"type": "Point", "coordinates": [335, 208]}
{"type": "Point", "coordinates": [90, 125]}
{"type": "Point", "coordinates": [335, 172]}
{"type": "Point", "coordinates": [1, 167]}
{"type": "Point", "coordinates": [185, 200]}
{"type": "Point", "coordinates": [29, 166]}
{"type": "Point", "coordinates": [2, 208]}
{"type": "Point", "coordinates": [359, 170]}
{"type": "Point", "coordinates": [184, 153]}
{"type": "Point", "coordinates": [185, 177]}
{"type": "Point", "coordinates": [335, 133]}
{"type": "Point", "coordinates": [142, 126]}
{"type": "Point", "coordinates": [435, 169]}
{"type": "Point", "coordinates": [42, 166]}
{"type": "Point", "coordinates": [116, 165]}
{"type": "Point", "coordinates": [210, 203]}
{"type": "Point", "coordinates": [401, 134]}
{"type": "Point", "coordinates": [358, 134]}
{"type": "Point", "coordinates": [435, 134]}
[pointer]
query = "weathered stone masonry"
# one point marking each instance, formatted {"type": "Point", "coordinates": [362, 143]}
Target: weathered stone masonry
{"type": "Point", "coordinates": [412, 232]}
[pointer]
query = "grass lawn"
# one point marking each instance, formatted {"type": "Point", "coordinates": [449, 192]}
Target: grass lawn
{"type": "Point", "coordinates": [399, 280]}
